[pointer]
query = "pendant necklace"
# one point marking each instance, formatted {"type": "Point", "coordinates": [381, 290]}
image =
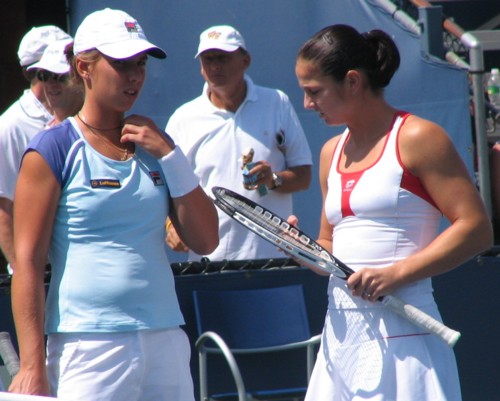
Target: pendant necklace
{"type": "Point", "coordinates": [107, 142]}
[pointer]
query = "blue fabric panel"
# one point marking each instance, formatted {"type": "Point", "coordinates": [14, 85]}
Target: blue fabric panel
{"type": "Point", "coordinates": [253, 318]}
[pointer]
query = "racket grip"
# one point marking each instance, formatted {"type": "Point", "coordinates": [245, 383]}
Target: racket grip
{"type": "Point", "coordinates": [421, 319]}
{"type": "Point", "coordinates": [8, 354]}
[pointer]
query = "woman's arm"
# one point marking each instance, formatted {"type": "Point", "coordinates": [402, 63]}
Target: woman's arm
{"type": "Point", "coordinates": [192, 212]}
{"type": "Point", "coordinates": [35, 204]}
{"type": "Point", "coordinates": [195, 219]}
{"type": "Point", "coordinates": [429, 154]}
{"type": "Point", "coordinates": [325, 229]}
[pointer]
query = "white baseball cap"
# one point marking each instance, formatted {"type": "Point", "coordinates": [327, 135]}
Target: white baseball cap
{"type": "Point", "coordinates": [54, 58]}
{"type": "Point", "coordinates": [221, 37]}
{"type": "Point", "coordinates": [36, 40]}
{"type": "Point", "coordinates": [115, 34]}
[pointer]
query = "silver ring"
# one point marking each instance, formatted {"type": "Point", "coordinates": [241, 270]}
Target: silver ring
{"type": "Point", "coordinates": [368, 294]}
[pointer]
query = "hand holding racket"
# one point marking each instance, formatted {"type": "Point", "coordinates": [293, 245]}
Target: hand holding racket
{"type": "Point", "coordinates": [293, 241]}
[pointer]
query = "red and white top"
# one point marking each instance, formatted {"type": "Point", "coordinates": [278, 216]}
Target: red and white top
{"type": "Point", "coordinates": [380, 214]}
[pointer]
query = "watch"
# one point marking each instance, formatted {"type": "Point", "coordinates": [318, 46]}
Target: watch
{"type": "Point", "coordinates": [277, 181]}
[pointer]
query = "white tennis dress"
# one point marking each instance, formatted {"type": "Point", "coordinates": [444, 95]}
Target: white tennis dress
{"type": "Point", "coordinates": [380, 215]}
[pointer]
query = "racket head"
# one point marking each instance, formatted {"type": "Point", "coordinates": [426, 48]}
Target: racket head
{"type": "Point", "coordinates": [278, 231]}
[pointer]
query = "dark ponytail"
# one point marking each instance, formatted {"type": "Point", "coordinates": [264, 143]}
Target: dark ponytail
{"type": "Point", "coordinates": [340, 48]}
{"type": "Point", "coordinates": [387, 58]}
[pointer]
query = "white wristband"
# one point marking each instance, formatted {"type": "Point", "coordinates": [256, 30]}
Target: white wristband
{"type": "Point", "coordinates": [178, 173]}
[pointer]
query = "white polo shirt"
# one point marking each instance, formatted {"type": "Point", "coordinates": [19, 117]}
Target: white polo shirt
{"type": "Point", "coordinates": [18, 124]}
{"type": "Point", "coordinates": [213, 141]}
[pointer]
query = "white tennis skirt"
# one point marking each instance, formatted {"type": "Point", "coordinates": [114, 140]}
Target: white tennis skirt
{"type": "Point", "coordinates": [374, 354]}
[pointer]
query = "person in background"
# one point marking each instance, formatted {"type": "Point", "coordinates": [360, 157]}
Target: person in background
{"type": "Point", "coordinates": [64, 98]}
{"type": "Point", "coordinates": [19, 123]}
{"type": "Point", "coordinates": [386, 183]}
{"type": "Point", "coordinates": [103, 183]}
{"type": "Point", "coordinates": [230, 117]}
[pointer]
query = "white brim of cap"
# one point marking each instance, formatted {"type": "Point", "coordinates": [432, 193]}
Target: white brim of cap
{"type": "Point", "coordinates": [130, 48]}
{"type": "Point", "coordinates": [59, 68]}
{"type": "Point", "coordinates": [223, 47]}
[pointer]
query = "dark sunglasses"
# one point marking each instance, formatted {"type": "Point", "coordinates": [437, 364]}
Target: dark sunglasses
{"type": "Point", "coordinates": [44, 76]}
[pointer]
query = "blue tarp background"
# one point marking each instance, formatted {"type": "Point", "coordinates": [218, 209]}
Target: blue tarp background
{"type": "Point", "coordinates": [274, 30]}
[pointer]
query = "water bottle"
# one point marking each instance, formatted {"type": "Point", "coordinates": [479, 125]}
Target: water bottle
{"type": "Point", "coordinates": [493, 87]}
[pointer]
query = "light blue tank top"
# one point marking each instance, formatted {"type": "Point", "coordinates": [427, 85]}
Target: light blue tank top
{"type": "Point", "coordinates": [110, 270]}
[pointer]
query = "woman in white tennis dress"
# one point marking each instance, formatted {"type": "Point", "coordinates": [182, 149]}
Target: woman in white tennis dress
{"type": "Point", "coordinates": [386, 182]}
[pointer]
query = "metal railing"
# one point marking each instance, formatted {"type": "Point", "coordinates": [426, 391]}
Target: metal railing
{"type": "Point", "coordinates": [465, 50]}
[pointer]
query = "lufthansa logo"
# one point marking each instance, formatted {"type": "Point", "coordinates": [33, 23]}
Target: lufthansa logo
{"type": "Point", "coordinates": [105, 183]}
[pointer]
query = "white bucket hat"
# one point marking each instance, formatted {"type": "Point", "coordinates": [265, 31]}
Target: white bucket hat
{"type": "Point", "coordinates": [221, 37]}
{"type": "Point", "coordinates": [54, 58]}
{"type": "Point", "coordinates": [36, 40]}
{"type": "Point", "coordinates": [115, 34]}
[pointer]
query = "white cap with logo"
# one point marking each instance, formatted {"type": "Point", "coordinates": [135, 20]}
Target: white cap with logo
{"type": "Point", "coordinates": [54, 58]}
{"type": "Point", "coordinates": [36, 40]}
{"type": "Point", "coordinates": [221, 37]}
{"type": "Point", "coordinates": [115, 34]}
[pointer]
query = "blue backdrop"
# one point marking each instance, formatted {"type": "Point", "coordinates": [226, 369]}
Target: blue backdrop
{"type": "Point", "coordinates": [274, 30]}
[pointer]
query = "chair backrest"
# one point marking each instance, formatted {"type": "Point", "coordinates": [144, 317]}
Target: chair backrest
{"type": "Point", "coordinates": [254, 318]}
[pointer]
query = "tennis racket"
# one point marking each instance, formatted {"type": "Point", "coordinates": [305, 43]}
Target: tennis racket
{"type": "Point", "coordinates": [293, 241]}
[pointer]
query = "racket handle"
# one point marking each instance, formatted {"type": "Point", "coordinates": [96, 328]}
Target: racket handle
{"type": "Point", "coordinates": [421, 319]}
{"type": "Point", "coordinates": [8, 354]}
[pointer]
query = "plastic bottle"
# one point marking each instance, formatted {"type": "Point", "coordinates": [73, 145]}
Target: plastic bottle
{"type": "Point", "coordinates": [493, 87]}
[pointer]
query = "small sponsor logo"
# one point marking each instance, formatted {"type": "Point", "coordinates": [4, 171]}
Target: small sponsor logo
{"type": "Point", "coordinates": [214, 35]}
{"type": "Point", "coordinates": [156, 177]}
{"type": "Point", "coordinates": [105, 183]}
{"type": "Point", "coordinates": [131, 26]}
{"type": "Point", "coordinates": [349, 185]}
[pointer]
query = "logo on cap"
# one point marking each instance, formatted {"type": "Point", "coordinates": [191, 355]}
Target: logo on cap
{"type": "Point", "coordinates": [131, 26]}
{"type": "Point", "coordinates": [214, 35]}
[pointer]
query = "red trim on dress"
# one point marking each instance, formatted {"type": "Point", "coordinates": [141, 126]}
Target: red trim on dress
{"type": "Point", "coordinates": [409, 181]}
{"type": "Point", "coordinates": [349, 180]}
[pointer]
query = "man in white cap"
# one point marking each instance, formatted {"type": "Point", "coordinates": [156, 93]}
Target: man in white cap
{"type": "Point", "coordinates": [19, 123]}
{"type": "Point", "coordinates": [231, 117]}
{"type": "Point", "coordinates": [63, 97]}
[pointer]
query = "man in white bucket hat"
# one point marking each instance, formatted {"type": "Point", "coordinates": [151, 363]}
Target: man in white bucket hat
{"type": "Point", "coordinates": [19, 123]}
{"type": "Point", "coordinates": [64, 98]}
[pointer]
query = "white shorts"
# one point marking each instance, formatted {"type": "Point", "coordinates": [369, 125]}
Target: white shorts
{"type": "Point", "coordinates": [147, 365]}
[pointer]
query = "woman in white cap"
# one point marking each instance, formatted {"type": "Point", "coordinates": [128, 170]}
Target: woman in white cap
{"type": "Point", "coordinates": [104, 184]}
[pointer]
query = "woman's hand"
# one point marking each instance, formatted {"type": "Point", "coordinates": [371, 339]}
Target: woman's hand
{"type": "Point", "coordinates": [142, 131]}
{"type": "Point", "coordinates": [373, 283]}
{"type": "Point", "coordinates": [173, 240]}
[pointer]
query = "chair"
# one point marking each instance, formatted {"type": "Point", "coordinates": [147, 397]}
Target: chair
{"type": "Point", "coordinates": [255, 322]}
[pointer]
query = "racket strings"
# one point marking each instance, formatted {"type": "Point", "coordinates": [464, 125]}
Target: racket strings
{"type": "Point", "coordinates": [275, 224]}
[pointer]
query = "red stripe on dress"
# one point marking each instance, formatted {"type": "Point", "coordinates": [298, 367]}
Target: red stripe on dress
{"type": "Point", "coordinates": [414, 185]}
{"type": "Point", "coordinates": [408, 181]}
{"type": "Point", "coordinates": [407, 335]}
{"type": "Point", "coordinates": [349, 181]}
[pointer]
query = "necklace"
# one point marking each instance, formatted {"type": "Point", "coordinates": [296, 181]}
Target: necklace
{"type": "Point", "coordinates": [81, 117]}
{"type": "Point", "coordinates": [110, 145]}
